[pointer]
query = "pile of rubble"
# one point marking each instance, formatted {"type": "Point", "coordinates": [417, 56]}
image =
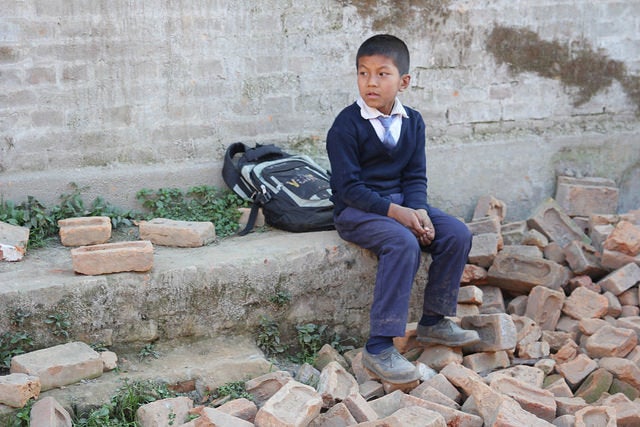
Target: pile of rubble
{"type": "Point", "coordinates": [556, 303]}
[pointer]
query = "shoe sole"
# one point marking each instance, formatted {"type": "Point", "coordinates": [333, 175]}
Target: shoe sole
{"type": "Point", "coordinates": [377, 376]}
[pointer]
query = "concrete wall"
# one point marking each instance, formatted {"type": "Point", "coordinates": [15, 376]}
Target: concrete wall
{"type": "Point", "coordinates": [117, 95]}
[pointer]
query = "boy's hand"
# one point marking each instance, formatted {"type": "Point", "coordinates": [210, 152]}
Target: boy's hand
{"type": "Point", "coordinates": [415, 220]}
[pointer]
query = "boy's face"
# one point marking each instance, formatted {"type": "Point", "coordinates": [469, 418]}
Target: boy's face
{"type": "Point", "coordinates": [379, 82]}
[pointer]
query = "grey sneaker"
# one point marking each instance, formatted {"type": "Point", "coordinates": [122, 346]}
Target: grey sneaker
{"type": "Point", "coordinates": [390, 366]}
{"type": "Point", "coordinates": [446, 332]}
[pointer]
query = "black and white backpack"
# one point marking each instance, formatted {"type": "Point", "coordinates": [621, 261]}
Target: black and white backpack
{"type": "Point", "coordinates": [292, 190]}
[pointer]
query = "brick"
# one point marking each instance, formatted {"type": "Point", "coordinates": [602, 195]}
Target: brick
{"type": "Point", "coordinates": [534, 350]}
{"type": "Point", "coordinates": [627, 411]}
{"type": "Point", "coordinates": [591, 326]}
{"type": "Point", "coordinates": [489, 206]}
{"type": "Point", "coordinates": [569, 405]}
{"type": "Point", "coordinates": [555, 224]}
{"type": "Point", "coordinates": [583, 259]}
{"type": "Point", "coordinates": [513, 232]}
{"type": "Point", "coordinates": [582, 281]}
{"type": "Point", "coordinates": [497, 332]}
{"type": "Point", "coordinates": [535, 400]}
{"type": "Point", "coordinates": [621, 279]}
{"type": "Point", "coordinates": [113, 258]}
{"type": "Point", "coordinates": [585, 304]}
{"type": "Point", "coordinates": [586, 196]}
{"type": "Point", "coordinates": [613, 260]}
{"type": "Point", "coordinates": [163, 412]}
{"type": "Point", "coordinates": [410, 416]}
{"type": "Point", "coordinates": [577, 369]}
{"type": "Point", "coordinates": [615, 308]}
{"type": "Point", "coordinates": [13, 242]}
{"type": "Point", "coordinates": [359, 371]}
{"type": "Point", "coordinates": [523, 373]}
{"type": "Point", "coordinates": [629, 311]}
{"type": "Point", "coordinates": [546, 365]}
{"type": "Point", "coordinates": [566, 353]}
{"type": "Point", "coordinates": [210, 417]}
{"type": "Point", "coordinates": [487, 361]}
{"type": "Point", "coordinates": [426, 392]}
{"type": "Point", "coordinates": [337, 415]}
{"type": "Point", "coordinates": [484, 248]}
{"type": "Point", "coordinates": [360, 408]}
{"type": "Point", "coordinates": [518, 305]}
{"type": "Point", "coordinates": [181, 234]}
{"type": "Point", "coordinates": [371, 390]}
{"type": "Point", "coordinates": [544, 306]}
{"type": "Point", "coordinates": [82, 231]}
{"type": "Point", "coordinates": [623, 369]}
{"type": "Point", "coordinates": [335, 384]}
{"type": "Point", "coordinates": [467, 310]}
{"type": "Point", "coordinates": [442, 384]}
{"type": "Point", "coordinates": [618, 386]}
{"type": "Point", "coordinates": [554, 252]}
{"type": "Point", "coordinates": [389, 404]}
{"type": "Point", "coordinates": [59, 365]}
{"type": "Point", "coordinates": [565, 421]}
{"type": "Point", "coordinates": [492, 300]}
{"type": "Point", "coordinates": [596, 415]}
{"type": "Point", "coordinates": [241, 408]}
{"type": "Point", "coordinates": [599, 234]}
{"type": "Point", "coordinates": [470, 295]}
{"type": "Point", "coordinates": [47, 412]}
{"type": "Point", "coordinates": [17, 388]}
{"type": "Point", "coordinates": [438, 356]}
{"type": "Point", "coordinates": [473, 274]}
{"type": "Point", "coordinates": [597, 383]}
{"type": "Point", "coordinates": [535, 238]}
{"type": "Point", "coordinates": [295, 404]}
{"type": "Point", "coordinates": [518, 274]}
{"type": "Point", "coordinates": [560, 388]}
{"type": "Point", "coordinates": [488, 224]}
{"type": "Point", "coordinates": [328, 354]}
{"type": "Point", "coordinates": [629, 297]}
{"type": "Point", "coordinates": [523, 250]}
{"type": "Point", "coordinates": [611, 341]}
{"type": "Point", "coordinates": [265, 386]}
{"type": "Point", "coordinates": [528, 331]}
{"type": "Point", "coordinates": [624, 238]}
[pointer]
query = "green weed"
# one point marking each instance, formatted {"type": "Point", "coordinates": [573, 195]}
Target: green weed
{"type": "Point", "coordinates": [268, 338]}
{"type": "Point", "coordinates": [60, 324]}
{"type": "Point", "coordinates": [13, 344]}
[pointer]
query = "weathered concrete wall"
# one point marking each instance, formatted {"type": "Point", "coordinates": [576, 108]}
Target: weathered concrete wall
{"type": "Point", "coordinates": [119, 96]}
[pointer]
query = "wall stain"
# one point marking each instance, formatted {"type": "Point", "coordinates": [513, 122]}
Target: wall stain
{"type": "Point", "coordinates": [409, 14]}
{"type": "Point", "coordinates": [577, 66]}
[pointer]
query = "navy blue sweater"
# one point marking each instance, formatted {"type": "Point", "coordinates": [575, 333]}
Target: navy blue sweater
{"type": "Point", "coordinates": [363, 171]}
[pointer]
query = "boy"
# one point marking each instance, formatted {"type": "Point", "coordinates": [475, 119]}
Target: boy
{"type": "Point", "coordinates": [376, 148]}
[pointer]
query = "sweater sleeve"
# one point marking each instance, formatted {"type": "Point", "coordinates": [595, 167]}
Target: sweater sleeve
{"type": "Point", "coordinates": [347, 185]}
{"type": "Point", "coordinates": [414, 176]}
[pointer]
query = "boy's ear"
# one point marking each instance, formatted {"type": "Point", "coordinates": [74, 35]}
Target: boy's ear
{"type": "Point", "coordinates": [405, 79]}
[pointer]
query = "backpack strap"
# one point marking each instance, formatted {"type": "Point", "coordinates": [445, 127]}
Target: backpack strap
{"type": "Point", "coordinates": [231, 171]}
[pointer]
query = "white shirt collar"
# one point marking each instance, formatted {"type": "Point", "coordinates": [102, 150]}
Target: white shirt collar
{"type": "Point", "coordinates": [372, 113]}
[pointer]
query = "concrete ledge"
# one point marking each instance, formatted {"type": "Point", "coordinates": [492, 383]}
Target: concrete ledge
{"type": "Point", "coordinates": [223, 288]}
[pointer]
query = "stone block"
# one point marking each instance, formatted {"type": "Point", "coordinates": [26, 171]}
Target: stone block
{"type": "Point", "coordinates": [265, 386]}
{"type": "Point", "coordinates": [181, 234]}
{"type": "Point", "coordinates": [13, 242]}
{"type": "Point", "coordinates": [497, 332]}
{"type": "Point", "coordinates": [621, 279]}
{"type": "Point", "coordinates": [426, 392]}
{"type": "Point", "coordinates": [371, 390]}
{"type": "Point", "coordinates": [601, 416]}
{"type": "Point", "coordinates": [583, 259]}
{"type": "Point", "coordinates": [442, 384]}
{"type": "Point", "coordinates": [241, 408]}
{"type": "Point", "coordinates": [467, 310]}
{"type": "Point", "coordinates": [488, 224]}
{"type": "Point", "coordinates": [535, 238]}
{"type": "Point", "coordinates": [484, 248]}
{"type": "Point", "coordinates": [624, 238]}
{"type": "Point", "coordinates": [113, 258]}
{"type": "Point", "coordinates": [611, 341]}
{"type": "Point", "coordinates": [582, 281]}
{"type": "Point", "coordinates": [585, 304]}
{"type": "Point", "coordinates": [627, 411]}
{"type": "Point", "coordinates": [474, 275]}
{"type": "Point", "coordinates": [523, 373]}
{"type": "Point", "coordinates": [523, 250]}
{"type": "Point", "coordinates": [569, 405]}
{"type": "Point", "coordinates": [613, 260]}
{"type": "Point", "coordinates": [335, 384]}
{"type": "Point", "coordinates": [615, 308]}
{"type": "Point", "coordinates": [59, 365]}
{"type": "Point", "coordinates": [544, 306]}
{"type": "Point", "coordinates": [295, 404]}
{"type": "Point", "coordinates": [83, 231]}
{"type": "Point", "coordinates": [599, 234]}
{"type": "Point", "coordinates": [586, 196]}
{"type": "Point", "coordinates": [559, 388]}
{"type": "Point", "coordinates": [210, 417]}
{"type": "Point", "coordinates": [360, 408]}
{"type": "Point", "coordinates": [518, 305]}
{"type": "Point", "coordinates": [554, 252]}
{"type": "Point", "coordinates": [164, 412]}
{"type": "Point", "coordinates": [533, 350]}
{"type": "Point", "coordinates": [518, 274]}
{"type": "Point", "coordinates": [555, 224]}
{"type": "Point", "coordinates": [47, 412]}
{"type": "Point", "coordinates": [489, 206]}
{"type": "Point", "coordinates": [576, 370]}
{"type": "Point", "coordinates": [618, 386]}
{"type": "Point", "coordinates": [483, 362]}
{"type": "Point", "coordinates": [629, 311]}
{"type": "Point", "coordinates": [597, 383]}
{"type": "Point", "coordinates": [528, 331]}
{"type": "Point", "coordinates": [17, 388]}
{"type": "Point", "coordinates": [533, 399]}
{"type": "Point", "coordinates": [629, 297]}
{"type": "Point", "coordinates": [513, 232]}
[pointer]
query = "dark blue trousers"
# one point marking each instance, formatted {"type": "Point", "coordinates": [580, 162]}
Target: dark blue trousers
{"type": "Point", "coordinates": [398, 253]}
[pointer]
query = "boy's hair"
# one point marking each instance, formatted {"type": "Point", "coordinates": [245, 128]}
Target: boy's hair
{"type": "Point", "coordinates": [389, 46]}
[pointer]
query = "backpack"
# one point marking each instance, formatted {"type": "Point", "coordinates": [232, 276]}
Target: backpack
{"type": "Point", "coordinates": [292, 190]}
